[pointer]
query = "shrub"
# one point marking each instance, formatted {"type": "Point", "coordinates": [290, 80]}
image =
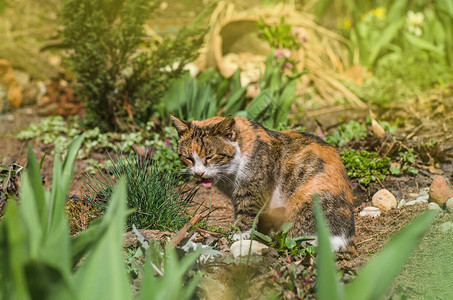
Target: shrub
{"type": "Point", "coordinates": [116, 81]}
{"type": "Point", "coordinates": [159, 196]}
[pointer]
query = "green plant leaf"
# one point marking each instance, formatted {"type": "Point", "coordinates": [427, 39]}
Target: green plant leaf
{"type": "Point", "coordinates": [263, 236]}
{"type": "Point", "coordinates": [45, 281]}
{"type": "Point", "coordinates": [377, 276]}
{"type": "Point", "coordinates": [33, 208]}
{"type": "Point", "coordinates": [328, 285]}
{"type": "Point", "coordinates": [171, 284]}
{"type": "Point", "coordinates": [106, 255]}
{"type": "Point", "coordinates": [290, 243]}
{"type": "Point", "coordinates": [13, 254]}
{"type": "Point", "coordinates": [57, 238]}
{"type": "Point", "coordinates": [259, 105]}
{"type": "Point", "coordinates": [236, 102]}
{"type": "Point", "coordinates": [423, 44]}
{"type": "Point", "coordinates": [385, 38]}
{"type": "Point", "coordinates": [286, 227]}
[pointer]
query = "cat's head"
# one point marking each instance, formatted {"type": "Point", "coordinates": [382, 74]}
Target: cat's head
{"type": "Point", "coordinates": [208, 148]}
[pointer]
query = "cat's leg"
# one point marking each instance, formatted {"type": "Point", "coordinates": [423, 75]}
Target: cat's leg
{"type": "Point", "coordinates": [246, 207]}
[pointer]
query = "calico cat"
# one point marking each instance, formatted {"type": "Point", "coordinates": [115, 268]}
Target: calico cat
{"type": "Point", "coordinates": [255, 166]}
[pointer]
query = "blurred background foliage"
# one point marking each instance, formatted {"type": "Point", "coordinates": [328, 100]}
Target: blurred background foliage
{"type": "Point", "coordinates": [125, 59]}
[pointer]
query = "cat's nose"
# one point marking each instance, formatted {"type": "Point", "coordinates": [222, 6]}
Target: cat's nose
{"type": "Point", "coordinates": [199, 174]}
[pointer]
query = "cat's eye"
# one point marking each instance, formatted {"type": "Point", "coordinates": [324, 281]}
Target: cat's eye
{"type": "Point", "coordinates": [187, 159]}
{"type": "Point", "coordinates": [207, 159]}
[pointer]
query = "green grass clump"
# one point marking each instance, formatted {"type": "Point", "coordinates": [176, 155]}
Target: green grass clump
{"type": "Point", "coordinates": [365, 165]}
{"type": "Point", "coordinates": [159, 197]}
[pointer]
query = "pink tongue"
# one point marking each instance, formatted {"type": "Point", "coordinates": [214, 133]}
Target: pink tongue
{"type": "Point", "coordinates": [206, 183]}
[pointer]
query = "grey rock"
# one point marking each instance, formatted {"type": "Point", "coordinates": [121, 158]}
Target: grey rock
{"type": "Point", "coordinates": [434, 206]}
{"type": "Point", "coordinates": [449, 205]}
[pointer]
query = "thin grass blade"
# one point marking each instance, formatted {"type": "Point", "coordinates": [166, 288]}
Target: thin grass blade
{"type": "Point", "coordinates": [328, 285]}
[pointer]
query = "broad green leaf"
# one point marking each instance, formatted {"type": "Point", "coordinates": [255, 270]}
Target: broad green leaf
{"type": "Point", "coordinates": [328, 285]}
{"type": "Point", "coordinates": [236, 102]}
{"type": "Point", "coordinates": [13, 253]}
{"type": "Point", "coordinates": [423, 44]}
{"type": "Point", "coordinates": [47, 282]}
{"type": "Point", "coordinates": [259, 105]}
{"type": "Point", "coordinates": [397, 11]}
{"type": "Point", "coordinates": [286, 227]}
{"type": "Point", "coordinates": [235, 81]}
{"type": "Point", "coordinates": [286, 99]}
{"type": "Point", "coordinates": [34, 175]}
{"type": "Point", "coordinates": [377, 276]}
{"type": "Point", "coordinates": [171, 284]}
{"type": "Point", "coordinates": [82, 242]}
{"type": "Point", "coordinates": [106, 255]}
{"type": "Point", "coordinates": [262, 236]}
{"type": "Point", "coordinates": [30, 214]}
{"type": "Point", "coordinates": [57, 238]}
{"type": "Point", "coordinates": [290, 243]}
{"type": "Point", "coordinates": [389, 33]}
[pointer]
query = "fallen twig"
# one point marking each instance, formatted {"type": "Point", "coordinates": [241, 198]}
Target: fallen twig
{"type": "Point", "coordinates": [208, 232]}
{"type": "Point", "coordinates": [182, 233]}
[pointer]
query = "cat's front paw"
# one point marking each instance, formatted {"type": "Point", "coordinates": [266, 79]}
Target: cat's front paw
{"type": "Point", "coordinates": [242, 235]}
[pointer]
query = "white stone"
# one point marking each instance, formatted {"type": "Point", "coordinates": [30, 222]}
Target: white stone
{"type": "Point", "coordinates": [417, 201]}
{"type": "Point", "coordinates": [384, 199]}
{"type": "Point", "coordinates": [370, 211]}
{"type": "Point", "coordinates": [424, 197]}
{"type": "Point", "coordinates": [434, 206]}
{"type": "Point", "coordinates": [241, 248]}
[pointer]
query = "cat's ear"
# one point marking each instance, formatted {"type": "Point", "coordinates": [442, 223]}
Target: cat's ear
{"type": "Point", "coordinates": [226, 128]}
{"type": "Point", "coordinates": [180, 125]}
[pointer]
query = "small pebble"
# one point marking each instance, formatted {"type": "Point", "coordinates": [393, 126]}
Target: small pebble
{"type": "Point", "coordinates": [449, 205]}
{"type": "Point", "coordinates": [370, 211]}
{"type": "Point", "coordinates": [434, 206]}
{"type": "Point", "coordinates": [384, 200]}
{"type": "Point", "coordinates": [417, 201]}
